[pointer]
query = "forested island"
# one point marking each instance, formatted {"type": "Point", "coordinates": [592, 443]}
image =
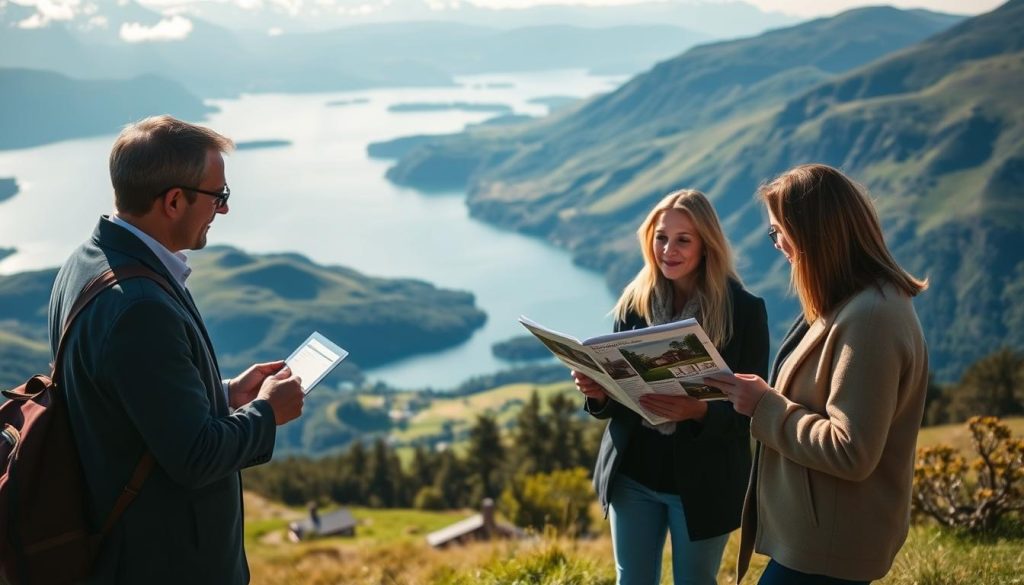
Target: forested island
{"type": "Point", "coordinates": [258, 307]}
{"type": "Point", "coordinates": [8, 188]}
{"type": "Point", "coordinates": [258, 144]}
{"type": "Point", "coordinates": [446, 106]}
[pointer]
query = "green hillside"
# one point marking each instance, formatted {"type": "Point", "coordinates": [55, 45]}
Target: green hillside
{"type": "Point", "coordinates": [259, 307]}
{"type": "Point", "coordinates": [570, 152]}
{"type": "Point", "coordinates": [934, 130]}
{"type": "Point", "coordinates": [35, 107]}
{"type": "Point", "coordinates": [454, 416]}
{"type": "Point", "coordinates": [333, 420]}
{"type": "Point", "coordinates": [20, 358]}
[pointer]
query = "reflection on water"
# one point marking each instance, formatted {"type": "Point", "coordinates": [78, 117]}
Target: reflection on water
{"type": "Point", "coordinates": [320, 195]}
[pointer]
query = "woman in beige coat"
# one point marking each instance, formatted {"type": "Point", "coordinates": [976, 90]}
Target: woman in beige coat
{"type": "Point", "coordinates": [829, 496]}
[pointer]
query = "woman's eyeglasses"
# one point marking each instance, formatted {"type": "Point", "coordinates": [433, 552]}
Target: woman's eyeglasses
{"type": "Point", "coordinates": [773, 234]}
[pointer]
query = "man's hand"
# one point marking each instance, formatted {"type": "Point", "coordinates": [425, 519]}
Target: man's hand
{"type": "Point", "coordinates": [672, 407]}
{"type": "Point", "coordinates": [283, 391]}
{"type": "Point", "coordinates": [743, 390]}
{"type": "Point", "coordinates": [590, 388]}
{"type": "Point", "coordinates": [243, 388]}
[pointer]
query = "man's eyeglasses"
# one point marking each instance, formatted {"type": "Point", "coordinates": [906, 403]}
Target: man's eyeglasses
{"type": "Point", "coordinates": [773, 234]}
{"type": "Point", "coordinates": [221, 196]}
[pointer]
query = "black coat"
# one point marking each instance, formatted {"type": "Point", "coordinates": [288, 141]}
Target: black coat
{"type": "Point", "coordinates": [712, 457]}
{"type": "Point", "coordinates": [140, 374]}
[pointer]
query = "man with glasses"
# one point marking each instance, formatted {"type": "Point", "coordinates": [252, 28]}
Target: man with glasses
{"type": "Point", "coordinates": [140, 376]}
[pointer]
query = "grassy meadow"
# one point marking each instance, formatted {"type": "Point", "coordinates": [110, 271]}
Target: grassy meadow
{"type": "Point", "coordinates": [390, 549]}
{"type": "Point", "coordinates": [459, 411]}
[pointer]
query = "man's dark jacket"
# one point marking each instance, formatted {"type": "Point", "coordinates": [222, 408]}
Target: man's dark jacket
{"type": "Point", "coordinates": [140, 374]}
{"type": "Point", "coordinates": [712, 457]}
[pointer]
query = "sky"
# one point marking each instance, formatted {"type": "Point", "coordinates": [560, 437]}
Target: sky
{"type": "Point", "coordinates": [804, 8]}
{"type": "Point", "coordinates": [176, 27]}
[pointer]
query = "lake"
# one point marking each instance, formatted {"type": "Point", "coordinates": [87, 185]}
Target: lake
{"type": "Point", "coordinates": [323, 197]}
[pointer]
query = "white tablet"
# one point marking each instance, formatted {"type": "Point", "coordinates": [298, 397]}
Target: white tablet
{"type": "Point", "coordinates": [314, 359]}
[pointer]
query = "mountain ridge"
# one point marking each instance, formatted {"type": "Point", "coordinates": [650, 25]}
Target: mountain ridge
{"type": "Point", "coordinates": [34, 108]}
{"type": "Point", "coordinates": [941, 154]}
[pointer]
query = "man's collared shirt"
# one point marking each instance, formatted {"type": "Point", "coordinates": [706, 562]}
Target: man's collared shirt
{"type": "Point", "coordinates": [175, 262]}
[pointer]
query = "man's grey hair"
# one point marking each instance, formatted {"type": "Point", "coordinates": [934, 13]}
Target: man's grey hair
{"type": "Point", "coordinates": [153, 155]}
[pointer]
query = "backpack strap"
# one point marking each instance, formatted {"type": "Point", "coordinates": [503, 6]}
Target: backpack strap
{"type": "Point", "coordinates": [97, 285]}
{"type": "Point", "coordinates": [107, 279]}
{"type": "Point", "coordinates": [129, 492]}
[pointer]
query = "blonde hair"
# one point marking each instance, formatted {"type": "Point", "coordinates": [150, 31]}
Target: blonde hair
{"type": "Point", "coordinates": [837, 238]}
{"type": "Point", "coordinates": [713, 275]}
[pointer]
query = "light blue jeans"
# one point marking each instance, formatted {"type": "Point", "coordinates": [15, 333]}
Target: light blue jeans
{"type": "Point", "coordinates": [640, 519]}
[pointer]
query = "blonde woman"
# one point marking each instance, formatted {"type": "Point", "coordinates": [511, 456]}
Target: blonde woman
{"type": "Point", "coordinates": [829, 497]}
{"type": "Point", "coordinates": [686, 477]}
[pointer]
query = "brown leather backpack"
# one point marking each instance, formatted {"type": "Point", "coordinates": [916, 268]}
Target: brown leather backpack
{"type": "Point", "coordinates": [46, 536]}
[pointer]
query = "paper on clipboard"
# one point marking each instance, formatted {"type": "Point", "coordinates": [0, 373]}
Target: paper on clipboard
{"type": "Point", "coordinates": [314, 359]}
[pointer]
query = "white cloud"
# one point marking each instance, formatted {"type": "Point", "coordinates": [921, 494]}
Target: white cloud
{"type": "Point", "coordinates": [360, 10]}
{"type": "Point", "coordinates": [48, 11]}
{"type": "Point", "coordinates": [275, 31]}
{"type": "Point", "coordinates": [292, 7]}
{"type": "Point", "coordinates": [174, 28]}
{"type": "Point", "coordinates": [34, 21]}
{"type": "Point", "coordinates": [249, 4]}
{"type": "Point", "coordinates": [441, 5]}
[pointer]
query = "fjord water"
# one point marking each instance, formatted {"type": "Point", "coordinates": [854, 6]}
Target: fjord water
{"type": "Point", "coordinates": [321, 196]}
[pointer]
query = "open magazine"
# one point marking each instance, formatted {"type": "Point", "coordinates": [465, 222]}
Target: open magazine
{"type": "Point", "coordinates": [668, 359]}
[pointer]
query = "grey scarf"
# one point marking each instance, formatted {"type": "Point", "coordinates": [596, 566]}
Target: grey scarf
{"type": "Point", "coordinates": [661, 313]}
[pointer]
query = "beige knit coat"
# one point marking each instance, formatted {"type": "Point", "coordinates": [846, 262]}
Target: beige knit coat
{"type": "Point", "coordinates": [830, 492]}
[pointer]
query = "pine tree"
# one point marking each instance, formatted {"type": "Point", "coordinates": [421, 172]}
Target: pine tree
{"type": "Point", "coordinates": [450, 481]}
{"type": "Point", "coordinates": [566, 446]}
{"type": "Point", "coordinates": [423, 468]}
{"type": "Point", "coordinates": [532, 438]}
{"type": "Point", "coordinates": [351, 487]}
{"type": "Point", "coordinates": [380, 484]}
{"type": "Point", "coordinates": [485, 458]}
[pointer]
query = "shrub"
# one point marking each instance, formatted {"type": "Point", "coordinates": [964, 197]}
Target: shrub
{"type": "Point", "coordinates": [550, 564]}
{"type": "Point", "coordinates": [429, 498]}
{"type": "Point", "coordinates": [559, 499]}
{"type": "Point", "coordinates": [972, 496]}
{"type": "Point", "coordinates": [993, 385]}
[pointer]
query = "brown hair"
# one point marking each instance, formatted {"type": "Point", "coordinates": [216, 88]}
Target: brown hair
{"type": "Point", "coordinates": [717, 267]}
{"type": "Point", "coordinates": [156, 153]}
{"type": "Point", "coordinates": [834, 229]}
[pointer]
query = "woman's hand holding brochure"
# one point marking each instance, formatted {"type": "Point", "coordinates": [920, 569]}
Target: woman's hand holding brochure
{"type": "Point", "coordinates": [657, 371]}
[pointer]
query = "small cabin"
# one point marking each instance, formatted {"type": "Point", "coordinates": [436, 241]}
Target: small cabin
{"type": "Point", "coordinates": [482, 526]}
{"type": "Point", "coordinates": [337, 523]}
